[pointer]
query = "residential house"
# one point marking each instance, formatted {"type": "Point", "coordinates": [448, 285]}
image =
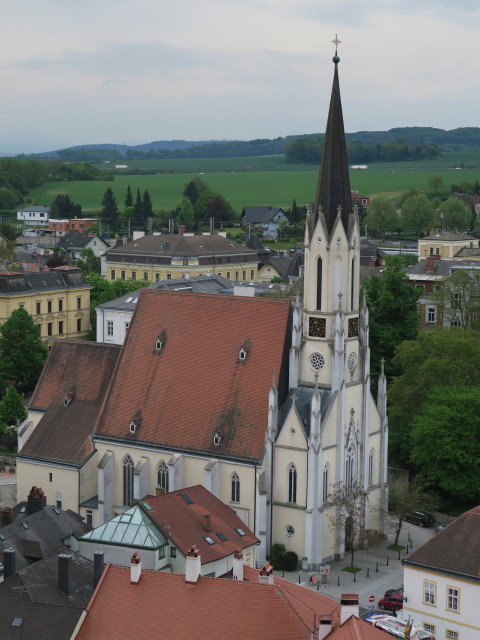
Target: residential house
{"type": "Point", "coordinates": [361, 201]}
{"type": "Point", "coordinates": [275, 394]}
{"type": "Point", "coordinates": [268, 217]}
{"type": "Point", "coordinates": [45, 600]}
{"type": "Point", "coordinates": [114, 316]}
{"type": "Point", "coordinates": [59, 228]}
{"type": "Point", "coordinates": [446, 244]}
{"type": "Point", "coordinates": [58, 300]}
{"type": "Point", "coordinates": [286, 265]}
{"type": "Point", "coordinates": [35, 529]}
{"type": "Point", "coordinates": [259, 607]}
{"type": "Point", "coordinates": [441, 580]}
{"type": "Point", "coordinates": [73, 243]}
{"type": "Point", "coordinates": [162, 530]}
{"type": "Point", "coordinates": [69, 392]}
{"type": "Point", "coordinates": [164, 257]}
{"type": "Point", "coordinates": [34, 215]}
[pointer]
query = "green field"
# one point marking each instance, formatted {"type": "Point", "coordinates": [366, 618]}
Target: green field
{"type": "Point", "coordinates": [268, 182]}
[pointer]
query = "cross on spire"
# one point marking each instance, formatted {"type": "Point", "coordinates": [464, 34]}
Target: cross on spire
{"type": "Point", "coordinates": [336, 42]}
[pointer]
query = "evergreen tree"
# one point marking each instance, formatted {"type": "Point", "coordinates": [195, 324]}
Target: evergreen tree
{"type": "Point", "coordinates": [129, 198]}
{"type": "Point", "coordinates": [22, 353]}
{"type": "Point", "coordinates": [138, 213]}
{"type": "Point", "coordinates": [109, 213]}
{"type": "Point", "coordinates": [147, 205]}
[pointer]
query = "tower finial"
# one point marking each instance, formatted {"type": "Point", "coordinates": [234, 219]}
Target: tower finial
{"type": "Point", "coordinates": [336, 42]}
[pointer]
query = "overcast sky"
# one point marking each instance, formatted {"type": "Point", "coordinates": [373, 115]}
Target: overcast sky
{"type": "Point", "coordinates": [134, 71]}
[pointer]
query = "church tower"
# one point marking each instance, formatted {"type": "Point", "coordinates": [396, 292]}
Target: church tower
{"type": "Point", "coordinates": [331, 431]}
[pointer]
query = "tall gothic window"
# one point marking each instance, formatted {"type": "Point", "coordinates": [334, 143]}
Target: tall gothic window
{"type": "Point", "coordinates": [162, 476]}
{"type": "Point", "coordinates": [325, 484]}
{"type": "Point", "coordinates": [319, 284]}
{"type": "Point", "coordinates": [349, 468]}
{"type": "Point", "coordinates": [352, 286]}
{"type": "Point", "coordinates": [292, 483]}
{"type": "Point", "coordinates": [235, 488]}
{"type": "Point", "coordinates": [127, 480]}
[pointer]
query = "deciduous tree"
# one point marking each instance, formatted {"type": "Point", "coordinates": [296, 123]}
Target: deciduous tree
{"type": "Point", "coordinates": [414, 497]}
{"type": "Point", "coordinates": [417, 214]}
{"type": "Point", "coordinates": [454, 214]}
{"type": "Point", "coordinates": [382, 216]}
{"type": "Point", "coordinates": [458, 296]}
{"type": "Point", "coordinates": [347, 517]}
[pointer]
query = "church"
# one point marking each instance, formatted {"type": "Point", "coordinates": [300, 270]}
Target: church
{"type": "Point", "coordinates": [265, 402]}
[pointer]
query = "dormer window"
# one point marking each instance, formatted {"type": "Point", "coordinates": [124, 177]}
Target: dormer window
{"type": "Point", "coordinates": [67, 399]}
{"type": "Point", "coordinates": [133, 426]}
{"type": "Point", "coordinates": [244, 351]}
{"type": "Point", "coordinates": [158, 344]}
{"type": "Point", "coordinates": [242, 354]}
{"type": "Point", "coordinates": [216, 439]}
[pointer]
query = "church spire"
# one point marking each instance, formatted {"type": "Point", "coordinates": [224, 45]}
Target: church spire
{"type": "Point", "coordinates": [333, 188]}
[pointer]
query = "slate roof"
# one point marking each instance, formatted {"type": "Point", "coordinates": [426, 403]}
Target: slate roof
{"type": "Point", "coordinates": [213, 608]}
{"type": "Point", "coordinates": [81, 371]}
{"type": "Point", "coordinates": [181, 406]}
{"type": "Point", "coordinates": [33, 595]}
{"type": "Point", "coordinates": [75, 240]}
{"type": "Point", "coordinates": [46, 532]}
{"type": "Point", "coordinates": [182, 522]}
{"type": "Point", "coordinates": [440, 267]}
{"type": "Point", "coordinates": [449, 236]}
{"type": "Point", "coordinates": [180, 245]}
{"type": "Point", "coordinates": [302, 396]}
{"type": "Point", "coordinates": [260, 215]}
{"type": "Point", "coordinates": [455, 549]}
{"type": "Point", "coordinates": [14, 283]}
{"type": "Point", "coordinates": [41, 208]}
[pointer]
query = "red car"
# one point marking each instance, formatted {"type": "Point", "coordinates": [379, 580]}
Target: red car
{"type": "Point", "coordinates": [393, 600]}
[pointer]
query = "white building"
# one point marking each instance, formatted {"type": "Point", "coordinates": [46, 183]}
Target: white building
{"type": "Point", "coordinates": [34, 215]}
{"type": "Point", "coordinates": [442, 581]}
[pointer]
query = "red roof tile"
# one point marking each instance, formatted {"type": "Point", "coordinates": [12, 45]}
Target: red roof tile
{"type": "Point", "coordinates": [197, 385]}
{"type": "Point", "coordinates": [183, 523]}
{"type": "Point", "coordinates": [164, 605]}
{"type": "Point", "coordinates": [356, 629]}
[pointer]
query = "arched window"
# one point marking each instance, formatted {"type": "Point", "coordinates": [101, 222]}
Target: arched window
{"type": "Point", "coordinates": [319, 284]}
{"type": "Point", "coordinates": [235, 488]}
{"type": "Point", "coordinates": [350, 468]}
{"type": "Point", "coordinates": [352, 286]}
{"type": "Point", "coordinates": [162, 476]}
{"type": "Point", "coordinates": [325, 484]}
{"type": "Point", "coordinates": [292, 483]}
{"type": "Point", "coordinates": [127, 480]}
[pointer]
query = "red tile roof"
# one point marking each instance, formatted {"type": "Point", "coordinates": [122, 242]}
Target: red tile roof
{"type": "Point", "coordinates": [81, 371]}
{"type": "Point", "coordinates": [164, 605]}
{"type": "Point", "coordinates": [455, 548]}
{"type": "Point", "coordinates": [196, 385]}
{"type": "Point", "coordinates": [356, 629]}
{"type": "Point", "coordinates": [183, 523]}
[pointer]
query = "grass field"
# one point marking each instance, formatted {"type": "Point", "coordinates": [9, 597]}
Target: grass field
{"type": "Point", "coordinates": [269, 181]}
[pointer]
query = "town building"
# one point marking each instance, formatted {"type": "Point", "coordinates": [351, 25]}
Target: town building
{"type": "Point", "coordinates": [441, 580]}
{"type": "Point", "coordinates": [57, 299]}
{"type": "Point", "coordinates": [446, 244]}
{"type": "Point", "coordinates": [267, 217]}
{"type": "Point", "coordinates": [34, 215]}
{"type": "Point", "coordinates": [73, 243]}
{"type": "Point", "coordinates": [59, 228]}
{"type": "Point", "coordinates": [163, 257]}
{"type": "Point", "coordinates": [265, 403]}
{"type": "Point", "coordinates": [360, 200]}
{"type": "Point", "coordinates": [162, 530]}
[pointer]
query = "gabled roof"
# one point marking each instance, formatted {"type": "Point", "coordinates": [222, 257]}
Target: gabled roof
{"type": "Point", "coordinates": [213, 608]}
{"type": "Point", "coordinates": [198, 333]}
{"type": "Point", "coordinates": [33, 595]}
{"type": "Point", "coordinates": [455, 549]}
{"type": "Point", "coordinates": [133, 528]}
{"type": "Point", "coordinates": [81, 372]}
{"type": "Point", "coordinates": [45, 533]}
{"type": "Point", "coordinates": [260, 215]}
{"type": "Point", "coordinates": [180, 517]}
{"type": "Point", "coordinates": [75, 240]}
{"type": "Point", "coordinates": [180, 245]}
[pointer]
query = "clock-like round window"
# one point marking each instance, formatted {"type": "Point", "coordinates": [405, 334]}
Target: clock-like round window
{"type": "Point", "coordinates": [317, 361]}
{"type": "Point", "coordinates": [352, 362]}
{"type": "Point", "coordinates": [290, 529]}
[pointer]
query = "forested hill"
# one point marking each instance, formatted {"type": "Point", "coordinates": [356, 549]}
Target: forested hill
{"type": "Point", "coordinates": [453, 140]}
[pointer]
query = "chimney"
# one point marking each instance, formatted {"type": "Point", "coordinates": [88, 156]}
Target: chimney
{"type": "Point", "coordinates": [97, 567]}
{"type": "Point", "coordinates": [36, 500]}
{"type": "Point", "coordinates": [325, 626]}
{"type": "Point", "coordinates": [349, 606]}
{"type": "Point", "coordinates": [9, 563]}
{"type": "Point", "coordinates": [181, 229]}
{"type": "Point", "coordinates": [64, 573]}
{"type": "Point", "coordinates": [159, 491]}
{"type": "Point", "coordinates": [193, 565]}
{"type": "Point", "coordinates": [431, 262]}
{"type": "Point", "coordinates": [266, 574]}
{"type": "Point", "coordinates": [238, 565]}
{"type": "Point", "coordinates": [7, 517]}
{"type": "Point", "coordinates": [207, 522]}
{"type": "Point", "coordinates": [135, 568]}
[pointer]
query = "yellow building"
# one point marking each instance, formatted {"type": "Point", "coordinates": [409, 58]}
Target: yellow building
{"type": "Point", "coordinates": [446, 244]}
{"type": "Point", "coordinates": [58, 300]}
{"type": "Point", "coordinates": [164, 257]}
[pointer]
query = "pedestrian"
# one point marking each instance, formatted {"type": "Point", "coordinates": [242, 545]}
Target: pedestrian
{"type": "Point", "coordinates": [394, 611]}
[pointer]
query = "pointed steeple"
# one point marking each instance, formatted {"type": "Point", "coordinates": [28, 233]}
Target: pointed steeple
{"type": "Point", "coordinates": [333, 188]}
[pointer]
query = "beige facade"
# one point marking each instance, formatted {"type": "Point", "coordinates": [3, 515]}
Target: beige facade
{"type": "Point", "coordinates": [445, 244]}
{"type": "Point", "coordinates": [239, 272]}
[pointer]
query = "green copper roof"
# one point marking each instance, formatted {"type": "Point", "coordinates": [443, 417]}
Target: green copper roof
{"type": "Point", "coordinates": [132, 528]}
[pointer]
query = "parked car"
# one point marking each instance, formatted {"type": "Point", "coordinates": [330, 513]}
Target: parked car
{"type": "Point", "coordinates": [422, 518]}
{"type": "Point", "coordinates": [391, 601]}
{"type": "Point", "coordinates": [390, 592]}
